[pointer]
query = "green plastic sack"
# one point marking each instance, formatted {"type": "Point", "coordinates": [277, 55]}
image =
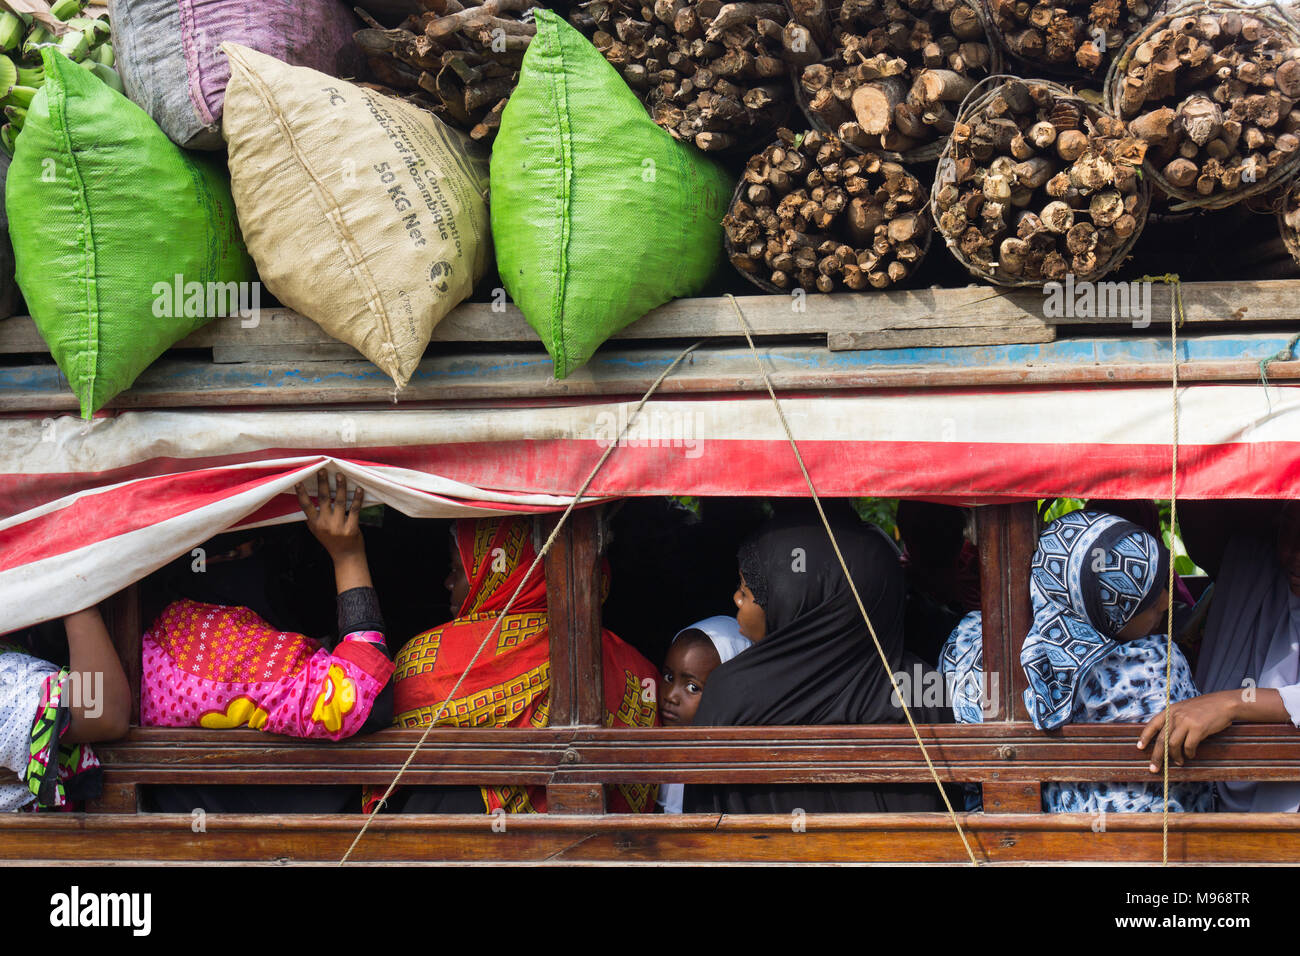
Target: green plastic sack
{"type": "Point", "coordinates": [108, 217]}
{"type": "Point", "coordinates": [598, 215]}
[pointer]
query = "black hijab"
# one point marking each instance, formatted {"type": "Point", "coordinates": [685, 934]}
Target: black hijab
{"type": "Point", "coordinates": [250, 581]}
{"type": "Point", "coordinates": [817, 663]}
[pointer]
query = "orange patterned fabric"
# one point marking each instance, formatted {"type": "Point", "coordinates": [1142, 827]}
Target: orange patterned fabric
{"type": "Point", "coordinates": [509, 684]}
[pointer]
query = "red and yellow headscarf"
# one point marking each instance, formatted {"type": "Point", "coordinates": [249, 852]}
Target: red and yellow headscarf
{"type": "Point", "coordinates": [509, 683]}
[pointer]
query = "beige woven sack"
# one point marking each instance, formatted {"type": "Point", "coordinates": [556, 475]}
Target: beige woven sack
{"type": "Point", "coordinates": [362, 212]}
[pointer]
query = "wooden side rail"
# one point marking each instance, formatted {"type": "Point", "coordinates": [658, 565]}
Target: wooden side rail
{"type": "Point", "coordinates": [658, 838]}
{"type": "Point", "coordinates": [1001, 753]}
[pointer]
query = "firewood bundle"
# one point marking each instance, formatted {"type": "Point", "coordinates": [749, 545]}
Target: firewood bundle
{"type": "Point", "coordinates": [463, 56]}
{"type": "Point", "coordinates": [810, 213]}
{"type": "Point", "coordinates": [1077, 37]}
{"type": "Point", "coordinates": [1212, 91]}
{"type": "Point", "coordinates": [889, 74]}
{"type": "Point", "coordinates": [1288, 219]}
{"type": "Point", "coordinates": [710, 73]}
{"type": "Point", "coordinates": [1035, 184]}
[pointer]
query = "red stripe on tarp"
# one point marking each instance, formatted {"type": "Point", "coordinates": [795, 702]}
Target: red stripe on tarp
{"type": "Point", "coordinates": [952, 470]}
{"type": "Point", "coordinates": [767, 467]}
{"type": "Point", "coordinates": [100, 516]}
{"type": "Point", "coordinates": [984, 470]}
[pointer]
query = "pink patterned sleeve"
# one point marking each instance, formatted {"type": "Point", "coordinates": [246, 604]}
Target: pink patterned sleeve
{"type": "Point", "coordinates": [332, 695]}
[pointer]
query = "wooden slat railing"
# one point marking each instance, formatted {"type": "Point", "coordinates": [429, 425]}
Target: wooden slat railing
{"type": "Point", "coordinates": [987, 752]}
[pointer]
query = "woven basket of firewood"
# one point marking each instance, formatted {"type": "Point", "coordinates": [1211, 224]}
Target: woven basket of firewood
{"type": "Point", "coordinates": [886, 76]}
{"type": "Point", "coordinates": [1211, 89]}
{"type": "Point", "coordinates": [459, 60]}
{"type": "Point", "coordinates": [1036, 183]}
{"type": "Point", "coordinates": [710, 73]}
{"type": "Point", "coordinates": [1068, 39]}
{"type": "Point", "coordinates": [1288, 219]}
{"type": "Point", "coordinates": [809, 213]}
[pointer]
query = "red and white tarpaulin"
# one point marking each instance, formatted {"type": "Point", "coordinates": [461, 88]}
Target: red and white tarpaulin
{"type": "Point", "coordinates": [87, 508]}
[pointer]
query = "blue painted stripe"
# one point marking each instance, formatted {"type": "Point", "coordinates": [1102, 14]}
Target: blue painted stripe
{"type": "Point", "coordinates": [200, 377]}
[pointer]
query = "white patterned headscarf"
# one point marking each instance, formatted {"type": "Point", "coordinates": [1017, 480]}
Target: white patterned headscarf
{"type": "Point", "coordinates": [1091, 574]}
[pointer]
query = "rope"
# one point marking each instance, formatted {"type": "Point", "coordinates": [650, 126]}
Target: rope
{"type": "Point", "coordinates": [1176, 318]}
{"type": "Point", "coordinates": [952, 815]}
{"type": "Point", "coordinates": [1284, 354]}
{"type": "Point", "coordinates": [506, 610]}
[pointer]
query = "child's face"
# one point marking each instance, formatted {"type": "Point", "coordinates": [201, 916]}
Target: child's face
{"type": "Point", "coordinates": [686, 668]}
{"type": "Point", "coordinates": [1148, 622]}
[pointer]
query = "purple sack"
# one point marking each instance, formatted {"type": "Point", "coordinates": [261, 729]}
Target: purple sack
{"type": "Point", "coordinates": [168, 53]}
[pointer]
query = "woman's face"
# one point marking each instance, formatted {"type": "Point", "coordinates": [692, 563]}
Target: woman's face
{"type": "Point", "coordinates": [457, 582]}
{"type": "Point", "coordinates": [1149, 621]}
{"type": "Point", "coordinates": [750, 617]}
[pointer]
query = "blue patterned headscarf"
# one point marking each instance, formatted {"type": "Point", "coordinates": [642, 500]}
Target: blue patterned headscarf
{"type": "Point", "coordinates": [1091, 574]}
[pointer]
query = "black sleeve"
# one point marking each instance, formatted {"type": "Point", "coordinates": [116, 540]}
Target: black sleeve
{"type": "Point", "coordinates": [359, 611]}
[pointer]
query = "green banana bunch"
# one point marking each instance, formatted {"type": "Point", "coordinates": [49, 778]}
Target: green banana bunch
{"type": "Point", "coordinates": [88, 42]}
{"type": "Point", "coordinates": [75, 45]}
{"type": "Point", "coordinates": [8, 74]}
{"type": "Point", "coordinates": [67, 9]}
{"type": "Point", "coordinates": [20, 96]}
{"type": "Point", "coordinates": [37, 37]}
{"type": "Point", "coordinates": [12, 29]}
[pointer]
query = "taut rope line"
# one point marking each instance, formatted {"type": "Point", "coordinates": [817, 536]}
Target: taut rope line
{"type": "Point", "coordinates": [555, 533]}
{"type": "Point", "coordinates": [744, 326]}
{"type": "Point", "coordinates": [1176, 316]}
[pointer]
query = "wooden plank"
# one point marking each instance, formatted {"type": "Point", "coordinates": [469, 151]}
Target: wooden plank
{"type": "Point", "coordinates": [560, 623]}
{"type": "Point", "coordinates": [1023, 530]}
{"type": "Point", "coordinates": [1006, 753]}
{"type": "Point", "coordinates": [176, 383]}
{"type": "Point", "coordinates": [304, 352]}
{"type": "Point", "coordinates": [573, 581]}
{"type": "Point", "coordinates": [117, 797]}
{"type": "Point", "coordinates": [1012, 797]}
{"type": "Point", "coordinates": [684, 838]}
{"type": "Point", "coordinates": [586, 596]}
{"type": "Point", "coordinates": [1008, 535]}
{"type": "Point", "coordinates": [584, 798]}
{"type": "Point", "coordinates": [971, 306]}
{"type": "Point", "coordinates": [1028, 332]}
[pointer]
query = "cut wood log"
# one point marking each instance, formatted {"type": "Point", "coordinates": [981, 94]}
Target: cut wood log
{"type": "Point", "coordinates": [873, 104]}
